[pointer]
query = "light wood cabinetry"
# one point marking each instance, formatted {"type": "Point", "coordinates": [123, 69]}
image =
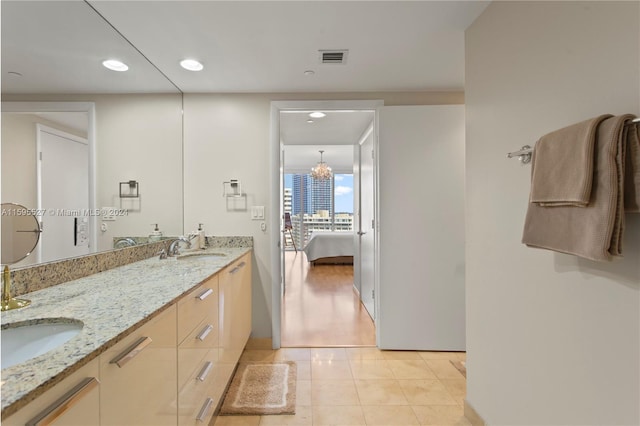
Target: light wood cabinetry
{"type": "Point", "coordinates": [198, 354]}
{"type": "Point", "coordinates": [138, 375]}
{"type": "Point", "coordinates": [235, 313]}
{"type": "Point", "coordinates": [171, 370]}
{"type": "Point", "coordinates": [75, 401]}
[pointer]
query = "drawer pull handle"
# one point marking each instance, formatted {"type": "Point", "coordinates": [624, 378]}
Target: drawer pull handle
{"type": "Point", "coordinates": [204, 333]}
{"type": "Point", "coordinates": [204, 411]}
{"type": "Point", "coordinates": [205, 294]}
{"type": "Point", "coordinates": [241, 265]}
{"type": "Point", "coordinates": [51, 413]}
{"type": "Point", "coordinates": [234, 270]}
{"type": "Point", "coordinates": [205, 371]}
{"type": "Point", "coordinates": [131, 352]}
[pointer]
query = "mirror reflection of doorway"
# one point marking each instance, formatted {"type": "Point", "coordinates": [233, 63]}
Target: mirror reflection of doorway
{"type": "Point", "coordinates": [322, 305]}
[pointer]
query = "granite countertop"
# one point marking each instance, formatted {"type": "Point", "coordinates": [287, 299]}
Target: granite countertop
{"type": "Point", "coordinates": [110, 304]}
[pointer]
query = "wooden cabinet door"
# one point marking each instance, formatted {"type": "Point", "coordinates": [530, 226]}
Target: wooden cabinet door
{"type": "Point", "coordinates": [75, 401]}
{"type": "Point", "coordinates": [139, 375]}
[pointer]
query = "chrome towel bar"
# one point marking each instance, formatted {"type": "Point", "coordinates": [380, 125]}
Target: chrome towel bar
{"type": "Point", "coordinates": [524, 153]}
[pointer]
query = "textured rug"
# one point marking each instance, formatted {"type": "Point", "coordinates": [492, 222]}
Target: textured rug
{"type": "Point", "coordinates": [461, 366]}
{"type": "Point", "coordinates": [260, 388]}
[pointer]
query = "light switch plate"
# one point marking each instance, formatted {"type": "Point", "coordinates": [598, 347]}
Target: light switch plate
{"type": "Point", "coordinates": [257, 213]}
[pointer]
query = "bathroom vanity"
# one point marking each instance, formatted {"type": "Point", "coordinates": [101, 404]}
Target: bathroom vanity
{"type": "Point", "coordinates": [159, 342]}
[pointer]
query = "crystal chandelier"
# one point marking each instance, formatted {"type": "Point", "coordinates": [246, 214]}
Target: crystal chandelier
{"type": "Point", "coordinates": [321, 171]}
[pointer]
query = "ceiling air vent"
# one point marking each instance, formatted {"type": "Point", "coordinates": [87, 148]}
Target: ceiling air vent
{"type": "Point", "coordinates": [333, 56]}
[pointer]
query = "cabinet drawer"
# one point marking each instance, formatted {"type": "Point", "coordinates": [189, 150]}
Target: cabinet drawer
{"type": "Point", "coordinates": [139, 375]}
{"type": "Point", "coordinates": [73, 401]}
{"type": "Point", "coordinates": [196, 383]}
{"type": "Point", "coordinates": [194, 307]}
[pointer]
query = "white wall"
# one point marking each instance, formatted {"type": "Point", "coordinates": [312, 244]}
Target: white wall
{"type": "Point", "coordinates": [551, 339]}
{"type": "Point", "coordinates": [139, 137]}
{"type": "Point", "coordinates": [421, 228]}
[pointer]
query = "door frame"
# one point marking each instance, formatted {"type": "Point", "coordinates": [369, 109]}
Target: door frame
{"type": "Point", "coordinates": [276, 197]}
{"type": "Point", "coordinates": [90, 109]}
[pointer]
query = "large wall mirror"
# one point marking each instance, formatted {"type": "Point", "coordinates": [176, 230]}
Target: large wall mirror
{"type": "Point", "coordinates": [96, 153]}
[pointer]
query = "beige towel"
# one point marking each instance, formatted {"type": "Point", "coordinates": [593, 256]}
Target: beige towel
{"type": "Point", "coordinates": [593, 231]}
{"type": "Point", "coordinates": [632, 170]}
{"type": "Point", "coordinates": [564, 165]}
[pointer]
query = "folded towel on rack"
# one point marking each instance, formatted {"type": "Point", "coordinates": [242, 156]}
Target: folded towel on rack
{"type": "Point", "coordinates": [632, 170]}
{"type": "Point", "coordinates": [593, 231]}
{"type": "Point", "coordinates": [563, 174]}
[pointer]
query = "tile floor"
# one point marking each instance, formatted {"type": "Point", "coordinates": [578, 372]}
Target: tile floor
{"type": "Point", "coordinates": [367, 386]}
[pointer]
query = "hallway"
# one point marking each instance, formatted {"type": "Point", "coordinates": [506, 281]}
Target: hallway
{"type": "Point", "coordinates": [321, 308]}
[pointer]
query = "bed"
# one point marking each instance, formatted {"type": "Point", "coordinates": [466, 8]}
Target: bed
{"type": "Point", "coordinates": [330, 248]}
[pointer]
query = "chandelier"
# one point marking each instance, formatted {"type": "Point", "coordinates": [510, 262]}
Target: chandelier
{"type": "Point", "coordinates": [321, 171]}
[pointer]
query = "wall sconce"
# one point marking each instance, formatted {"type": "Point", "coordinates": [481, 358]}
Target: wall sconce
{"type": "Point", "coordinates": [129, 189]}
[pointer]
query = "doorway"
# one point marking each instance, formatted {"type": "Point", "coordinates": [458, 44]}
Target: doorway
{"type": "Point", "coordinates": [328, 281]}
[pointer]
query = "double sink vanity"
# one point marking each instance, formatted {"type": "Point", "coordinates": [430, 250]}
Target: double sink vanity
{"type": "Point", "coordinates": [154, 342]}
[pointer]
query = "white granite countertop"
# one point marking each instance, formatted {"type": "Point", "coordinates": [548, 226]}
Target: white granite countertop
{"type": "Point", "coordinates": [110, 304]}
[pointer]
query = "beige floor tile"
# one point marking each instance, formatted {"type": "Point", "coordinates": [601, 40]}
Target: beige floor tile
{"type": "Point", "coordinates": [237, 421]}
{"type": "Point", "coordinates": [443, 369]}
{"type": "Point", "coordinates": [334, 392]}
{"type": "Point", "coordinates": [456, 387]}
{"type": "Point", "coordinates": [330, 370]}
{"type": "Point", "coordinates": [259, 343]}
{"type": "Point", "coordinates": [364, 353]}
{"type": "Point", "coordinates": [385, 415]}
{"type": "Point", "coordinates": [462, 356]}
{"type": "Point", "coordinates": [439, 355]}
{"type": "Point", "coordinates": [303, 392]}
{"type": "Point", "coordinates": [410, 369]}
{"type": "Point", "coordinates": [329, 353]}
{"type": "Point", "coordinates": [303, 417]}
{"type": "Point", "coordinates": [380, 392]}
{"type": "Point", "coordinates": [401, 355]}
{"type": "Point", "coordinates": [257, 355]}
{"type": "Point", "coordinates": [338, 415]}
{"type": "Point", "coordinates": [293, 354]}
{"type": "Point", "coordinates": [371, 369]}
{"type": "Point", "coordinates": [441, 415]}
{"type": "Point", "coordinates": [426, 392]}
{"type": "Point", "coordinates": [304, 370]}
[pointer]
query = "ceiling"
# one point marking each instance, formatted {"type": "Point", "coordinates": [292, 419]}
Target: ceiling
{"type": "Point", "coordinates": [245, 46]}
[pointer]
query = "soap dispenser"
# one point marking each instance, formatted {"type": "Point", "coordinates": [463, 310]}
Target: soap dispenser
{"type": "Point", "coordinates": [202, 239]}
{"type": "Point", "coordinates": [156, 235]}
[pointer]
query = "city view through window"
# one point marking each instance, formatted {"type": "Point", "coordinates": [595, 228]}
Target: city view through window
{"type": "Point", "coordinates": [318, 205]}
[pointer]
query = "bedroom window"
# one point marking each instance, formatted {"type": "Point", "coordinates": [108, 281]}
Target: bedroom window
{"type": "Point", "coordinates": [318, 205]}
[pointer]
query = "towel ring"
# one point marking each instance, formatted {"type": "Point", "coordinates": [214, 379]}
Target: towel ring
{"type": "Point", "coordinates": [524, 155]}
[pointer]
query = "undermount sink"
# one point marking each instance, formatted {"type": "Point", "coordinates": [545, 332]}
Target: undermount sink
{"type": "Point", "coordinates": [29, 339]}
{"type": "Point", "coordinates": [199, 255]}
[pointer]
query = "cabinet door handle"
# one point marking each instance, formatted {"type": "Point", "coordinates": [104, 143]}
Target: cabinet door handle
{"type": "Point", "coordinates": [205, 371]}
{"type": "Point", "coordinates": [131, 352]}
{"type": "Point", "coordinates": [204, 410]}
{"type": "Point", "coordinates": [205, 294]}
{"type": "Point", "coordinates": [205, 332]}
{"type": "Point", "coordinates": [64, 403]}
{"type": "Point", "coordinates": [234, 270]}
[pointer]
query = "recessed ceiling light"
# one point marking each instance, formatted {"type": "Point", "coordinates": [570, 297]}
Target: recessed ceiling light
{"type": "Point", "coordinates": [309, 72]}
{"type": "Point", "coordinates": [191, 65]}
{"type": "Point", "coordinates": [317, 114]}
{"type": "Point", "coordinates": [115, 65]}
{"type": "Point", "coordinates": [309, 121]}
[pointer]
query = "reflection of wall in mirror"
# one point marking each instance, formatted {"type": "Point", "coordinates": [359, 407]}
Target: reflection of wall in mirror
{"type": "Point", "coordinates": [137, 137]}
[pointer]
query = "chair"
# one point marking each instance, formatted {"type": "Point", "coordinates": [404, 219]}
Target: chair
{"type": "Point", "coordinates": [287, 228]}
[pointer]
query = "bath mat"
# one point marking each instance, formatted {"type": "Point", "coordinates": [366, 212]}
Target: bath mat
{"type": "Point", "coordinates": [461, 366]}
{"type": "Point", "coordinates": [260, 388]}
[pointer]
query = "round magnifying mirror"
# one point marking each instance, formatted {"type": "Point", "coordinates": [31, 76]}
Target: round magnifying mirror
{"type": "Point", "coordinates": [20, 233]}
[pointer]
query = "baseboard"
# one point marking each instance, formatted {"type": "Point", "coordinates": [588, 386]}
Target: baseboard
{"type": "Point", "coordinates": [355, 289]}
{"type": "Point", "coordinates": [472, 415]}
{"type": "Point", "coordinates": [259, 343]}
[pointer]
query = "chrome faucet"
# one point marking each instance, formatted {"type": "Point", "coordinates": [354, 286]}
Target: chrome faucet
{"type": "Point", "coordinates": [174, 248]}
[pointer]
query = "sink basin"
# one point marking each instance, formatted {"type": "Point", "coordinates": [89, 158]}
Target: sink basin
{"type": "Point", "coordinates": [29, 339]}
{"type": "Point", "coordinates": [199, 255]}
